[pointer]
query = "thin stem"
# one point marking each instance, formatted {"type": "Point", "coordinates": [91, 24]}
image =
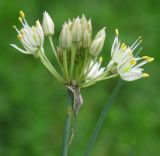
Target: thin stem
{"type": "Point", "coordinates": [48, 65]}
{"type": "Point", "coordinates": [54, 51]}
{"type": "Point", "coordinates": [86, 84]}
{"type": "Point", "coordinates": [67, 124]}
{"type": "Point", "coordinates": [85, 65]}
{"type": "Point", "coordinates": [101, 119]}
{"type": "Point", "coordinates": [73, 54]}
{"type": "Point", "coordinates": [65, 65]}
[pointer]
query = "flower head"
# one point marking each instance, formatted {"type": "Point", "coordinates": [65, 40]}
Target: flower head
{"type": "Point", "coordinates": [123, 61]}
{"type": "Point", "coordinates": [47, 24]}
{"type": "Point", "coordinates": [32, 38]}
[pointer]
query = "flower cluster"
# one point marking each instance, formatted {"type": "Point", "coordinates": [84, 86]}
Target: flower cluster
{"type": "Point", "coordinates": [78, 52]}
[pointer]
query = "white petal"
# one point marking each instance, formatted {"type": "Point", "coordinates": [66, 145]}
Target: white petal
{"type": "Point", "coordinates": [19, 49]}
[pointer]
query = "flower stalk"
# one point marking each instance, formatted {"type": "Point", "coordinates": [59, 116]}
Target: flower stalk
{"type": "Point", "coordinates": [101, 119]}
{"type": "Point", "coordinates": [67, 128]}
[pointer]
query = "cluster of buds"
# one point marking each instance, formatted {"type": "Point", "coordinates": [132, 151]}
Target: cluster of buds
{"type": "Point", "coordinates": [79, 31]}
{"type": "Point", "coordinates": [78, 52]}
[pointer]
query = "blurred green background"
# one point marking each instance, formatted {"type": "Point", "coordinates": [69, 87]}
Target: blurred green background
{"type": "Point", "coordinates": [32, 103]}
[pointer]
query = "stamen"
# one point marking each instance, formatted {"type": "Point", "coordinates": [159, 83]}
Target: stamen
{"type": "Point", "coordinates": [20, 19]}
{"type": "Point", "coordinates": [133, 62]}
{"type": "Point", "coordinates": [116, 31]}
{"type": "Point", "coordinates": [145, 75]}
{"type": "Point", "coordinates": [19, 36]}
{"type": "Point", "coordinates": [21, 13]}
{"type": "Point", "coordinates": [14, 27]}
{"type": "Point", "coordinates": [123, 44]}
{"type": "Point", "coordinates": [149, 59]}
{"type": "Point", "coordinates": [138, 41]}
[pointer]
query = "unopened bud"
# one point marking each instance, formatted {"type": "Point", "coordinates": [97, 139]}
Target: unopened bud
{"type": "Point", "coordinates": [97, 43]}
{"type": "Point", "coordinates": [90, 27]}
{"type": "Point", "coordinates": [101, 33]}
{"type": "Point", "coordinates": [86, 39]}
{"type": "Point", "coordinates": [69, 23]}
{"type": "Point", "coordinates": [76, 30]}
{"type": "Point", "coordinates": [65, 39]}
{"type": "Point", "coordinates": [47, 24]}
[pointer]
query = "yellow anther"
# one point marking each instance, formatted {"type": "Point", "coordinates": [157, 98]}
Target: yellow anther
{"type": "Point", "coordinates": [20, 19]}
{"type": "Point", "coordinates": [122, 45]}
{"type": "Point", "coordinates": [116, 31]}
{"type": "Point", "coordinates": [21, 13]}
{"type": "Point", "coordinates": [149, 59]}
{"type": "Point", "coordinates": [133, 62]}
{"type": "Point", "coordinates": [145, 75]}
{"type": "Point", "coordinates": [19, 36]}
{"type": "Point", "coordinates": [100, 59]}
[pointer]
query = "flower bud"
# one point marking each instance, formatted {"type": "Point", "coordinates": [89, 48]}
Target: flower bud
{"type": "Point", "coordinates": [97, 43]}
{"type": "Point", "coordinates": [86, 39]}
{"type": "Point", "coordinates": [69, 23]}
{"type": "Point", "coordinates": [65, 38]}
{"type": "Point", "coordinates": [86, 25]}
{"type": "Point", "coordinates": [90, 27]}
{"type": "Point", "coordinates": [76, 30]}
{"type": "Point", "coordinates": [101, 33]}
{"type": "Point", "coordinates": [47, 24]}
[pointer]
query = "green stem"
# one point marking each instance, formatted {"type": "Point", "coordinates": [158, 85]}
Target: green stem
{"type": "Point", "coordinates": [48, 65]}
{"type": "Point", "coordinates": [65, 65]}
{"type": "Point", "coordinates": [73, 54]}
{"type": "Point", "coordinates": [86, 84]}
{"type": "Point", "coordinates": [101, 119]}
{"type": "Point", "coordinates": [55, 53]}
{"type": "Point", "coordinates": [85, 65]}
{"type": "Point", "coordinates": [67, 124]}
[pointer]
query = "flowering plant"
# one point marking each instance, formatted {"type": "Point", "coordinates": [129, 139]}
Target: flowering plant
{"type": "Point", "coordinates": [78, 56]}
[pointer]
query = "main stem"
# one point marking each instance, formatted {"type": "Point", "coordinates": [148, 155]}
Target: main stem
{"type": "Point", "coordinates": [67, 124]}
{"type": "Point", "coordinates": [101, 119]}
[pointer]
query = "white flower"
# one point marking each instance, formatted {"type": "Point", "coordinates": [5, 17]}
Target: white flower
{"type": "Point", "coordinates": [47, 24]}
{"type": "Point", "coordinates": [124, 63]}
{"type": "Point", "coordinates": [32, 38]}
{"type": "Point", "coordinates": [95, 70]}
{"type": "Point", "coordinates": [65, 39]}
{"type": "Point", "coordinates": [97, 43]}
{"type": "Point", "coordinates": [121, 51]}
{"type": "Point", "coordinates": [129, 69]}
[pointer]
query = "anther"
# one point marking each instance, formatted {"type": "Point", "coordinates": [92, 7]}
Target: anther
{"type": "Point", "coordinates": [133, 62]}
{"type": "Point", "coordinates": [145, 75]}
{"type": "Point", "coordinates": [21, 13]}
{"type": "Point", "coordinates": [19, 36]}
{"type": "Point", "coordinates": [116, 31]}
{"type": "Point", "coordinates": [20, 19]}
